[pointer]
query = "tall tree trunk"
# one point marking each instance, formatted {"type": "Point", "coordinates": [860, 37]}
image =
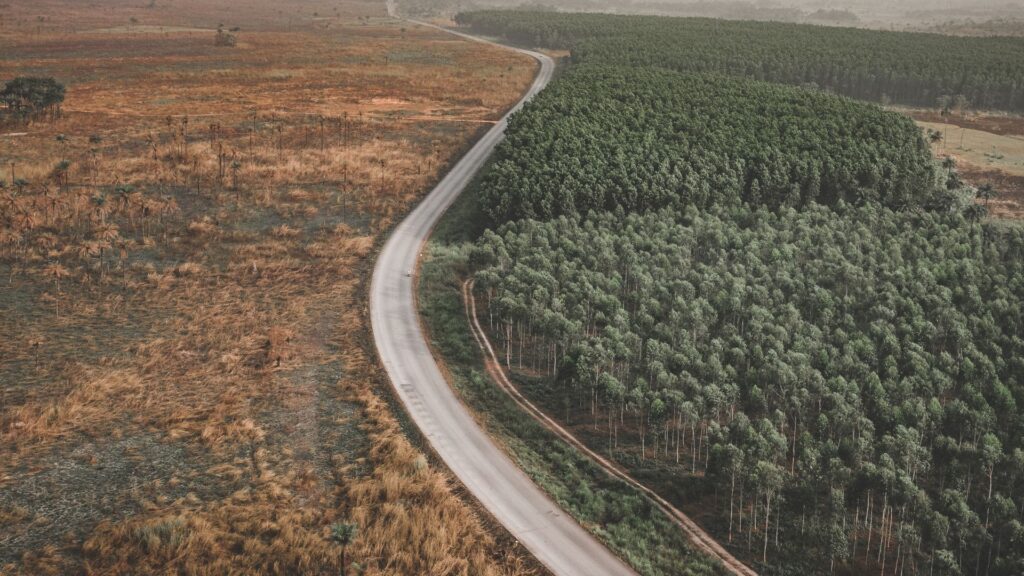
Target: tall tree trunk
{"type": "Point", "coordinates": [732, 491]}
{"type": "Point", "coordinates": [767, 519]}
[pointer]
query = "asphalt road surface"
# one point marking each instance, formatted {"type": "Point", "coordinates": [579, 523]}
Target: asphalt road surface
{"type": "Point", "coordinates": [533, 518]}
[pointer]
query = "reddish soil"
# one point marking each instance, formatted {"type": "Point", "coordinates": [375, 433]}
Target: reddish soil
{"type": "Point", "coordinates": [1002, 125]}
{"type": "Point", "coordinates": [1010, 202]}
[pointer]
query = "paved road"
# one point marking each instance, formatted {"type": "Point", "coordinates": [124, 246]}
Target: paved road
{"type": "Point", "coordinates": [528, 513]}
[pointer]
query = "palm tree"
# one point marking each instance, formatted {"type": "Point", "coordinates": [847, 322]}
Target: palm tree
{"type": "Point", "coordinates": [88, 249]}
{"type": "Point", "coordinates": [975, 212]}
{"type": "Point", "coordinates": [128, 199]}
{"type": "Point", "coordinates": [94, 148]}
{"type": "Point", "coordinates": [56, 271]}
{"type": "Point", "coordinates": [60, 174]}
{"type": "Point", "coordinates": [47, 241]}
{"type": "Point", "coordinates": [20, 184]}
{"type": "Point", "coordinates": [9, 237]}
{"type": "Point", "coordinates": [184, 136]}
{"type": "Point", "coordinates": [106, 232]}
{"type": "Point", "coordinates": [235, 167]}
{"type": "Point", "coordinates": [63, 141]}
{"type": "Point", "coordinates": [961, 104]}
{"type": "Point", "coordinates": [99, 203]}
{"type": "Point", "coordinates": [343, 533]}
{"type": "Point", "coordinates": [52, 203]}
{"type": "Point", "coordinates": [25, 219]}
{"type": "Point", "coordinates": [948, 163]}
{"type": "Point", "coordinates": [986, 192]}
{"type": "Point", "coordinates": [945, 103]}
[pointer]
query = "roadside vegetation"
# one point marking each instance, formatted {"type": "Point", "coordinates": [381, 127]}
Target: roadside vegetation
{"type": "Point", "coordinates": [771, 304]}
{"type": "Point", "coordinates": [186, 379]}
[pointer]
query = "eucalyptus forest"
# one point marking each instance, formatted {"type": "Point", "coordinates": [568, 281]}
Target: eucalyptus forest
{"type": "Point", "coordinates": [901, 67]}
{"type": "Point", "coordinates": [775, 290]}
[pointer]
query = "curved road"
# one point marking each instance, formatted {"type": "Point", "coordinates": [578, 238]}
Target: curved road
{"type": "Point", "coordinates": [551, 535]}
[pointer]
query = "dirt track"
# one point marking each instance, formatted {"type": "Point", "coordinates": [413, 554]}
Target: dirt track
{"type": "Point", "coordinates": [697, 536]}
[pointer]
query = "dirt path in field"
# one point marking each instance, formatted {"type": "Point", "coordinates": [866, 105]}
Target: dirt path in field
{"type": "Point", "coordinates": [697, 536]}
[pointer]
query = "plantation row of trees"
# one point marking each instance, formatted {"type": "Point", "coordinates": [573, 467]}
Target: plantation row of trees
{"type": "Point", "coordinates": [609, 138]}
{"type": "Point", "coordinates": [771, 290]}
{"type": "Point", "coordinates": [906, 68]}
{"type": "Point", "coordinates": [848, 376]}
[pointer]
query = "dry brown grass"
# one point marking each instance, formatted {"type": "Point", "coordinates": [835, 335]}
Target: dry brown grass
{"type": "Point", "coordinates": [186, 365]}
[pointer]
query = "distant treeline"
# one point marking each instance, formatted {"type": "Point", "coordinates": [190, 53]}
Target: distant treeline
{"type": "Point", "coordinates": [907, 68]}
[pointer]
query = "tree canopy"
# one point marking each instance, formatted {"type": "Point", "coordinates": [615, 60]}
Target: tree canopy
{"type": "Point", "coordinates": [31, 97]}
{"type": "Point", "coordinates": [903, 67]}
{"type": "Point", "coordinates": [863, 353]}
{"type": "Point", "coordinates": [606, 138]}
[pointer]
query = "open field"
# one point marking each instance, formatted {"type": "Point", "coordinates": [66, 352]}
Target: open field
{"type": "Point", "coordinates": [980, 148]}
{"type": "Point", "coordinates": [187, 378]}
{"type": "Point", "coordinates": [988, 149]}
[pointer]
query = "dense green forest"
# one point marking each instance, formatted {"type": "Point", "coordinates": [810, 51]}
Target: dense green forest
{"type": "Point", "coordinates": [851, 377]}
{"type": "Point", "coordinates": [607, 138]}
{"type": "Point", "coordinates": [907, 68]}
{"type": "Point", "coordinates": [774, 292]}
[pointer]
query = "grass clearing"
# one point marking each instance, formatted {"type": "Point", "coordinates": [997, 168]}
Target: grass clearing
{"type": "Point", "coordinates": [980, 148]}
{"type": "Point", "coordinates": [988, 150]}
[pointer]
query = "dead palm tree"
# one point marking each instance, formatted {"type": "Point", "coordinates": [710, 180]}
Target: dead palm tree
{"type": "Point", "coordinates": [94, 142]}
{"type": "Point", "coordinates": [9, 237]}
{"type": "Point", "coordinates": [87, 249]}
{"type": "Point", "coordinates": [235, 167]}
{"type": "Point", "coordinates": [56, 271]}
{"type": "Point", "coordinates": [184, 136]}
{"type": "Point", "coordinates": [47, 241]}
{"type": "Point", "coordinates": [106, 232]}
{"type": "Point", "coordinates": [26, 219]}
{"type": "Point", "coordinates": [63, 141]}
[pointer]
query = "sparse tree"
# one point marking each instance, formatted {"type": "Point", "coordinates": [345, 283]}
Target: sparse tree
{"type": "Point", "coordinates": [343, 534]}
{"type": "Point", "coordinates": [986, 192]}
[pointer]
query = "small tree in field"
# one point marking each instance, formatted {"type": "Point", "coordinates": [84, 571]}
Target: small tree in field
{"type": "Point", "coordinates": [986, 192]}
{"type": "Point", "coordinates": [224, 38]}
{"type": "Point", "coordinates": [343, 534]}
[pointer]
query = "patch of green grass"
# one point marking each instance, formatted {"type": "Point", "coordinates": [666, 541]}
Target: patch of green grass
{"type": "Point", "coordinates": [609, 508]}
